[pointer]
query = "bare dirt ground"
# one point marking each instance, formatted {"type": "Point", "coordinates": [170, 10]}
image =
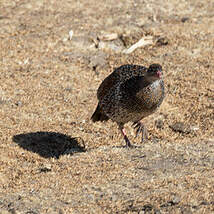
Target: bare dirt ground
{"type": "Point", "coordinates": [53, 159]}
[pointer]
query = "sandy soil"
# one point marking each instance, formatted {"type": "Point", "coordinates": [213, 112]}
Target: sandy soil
{"type": "Point", "coordinates": [53, 159]}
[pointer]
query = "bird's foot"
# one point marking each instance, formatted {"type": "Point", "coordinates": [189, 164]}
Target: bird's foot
{"type": "Point", "coordinates": [128, 144]}
{"type": "Point", "coordinates": [141, 128]}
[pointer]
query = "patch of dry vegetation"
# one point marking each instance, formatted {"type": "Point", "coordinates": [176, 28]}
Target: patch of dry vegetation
{"type": "Point", "coordinates": [53, 159]}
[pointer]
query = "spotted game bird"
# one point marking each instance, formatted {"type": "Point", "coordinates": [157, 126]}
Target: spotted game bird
{"type": "Point", "coordinates": [129, 94]}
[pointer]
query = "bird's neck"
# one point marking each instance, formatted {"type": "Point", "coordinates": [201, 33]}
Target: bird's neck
{"type": "Point", "coordinates": [144, 82]}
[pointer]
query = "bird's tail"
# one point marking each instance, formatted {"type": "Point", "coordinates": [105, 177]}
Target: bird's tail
{"type": "Point", "coordinates": [98, 115]}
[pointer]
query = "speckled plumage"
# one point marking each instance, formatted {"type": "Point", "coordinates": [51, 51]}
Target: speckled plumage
{"type": "Point", "coordinates": [130, 93]}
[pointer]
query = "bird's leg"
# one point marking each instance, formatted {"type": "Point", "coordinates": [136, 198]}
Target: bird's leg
{"type": "Point", "coordinates": [141, 128]}
{"type": "Point", "coordinates": [121, 127]}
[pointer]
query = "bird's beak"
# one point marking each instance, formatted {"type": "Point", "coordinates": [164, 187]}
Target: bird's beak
{"type": "Point", "coordinates": [159, 74]}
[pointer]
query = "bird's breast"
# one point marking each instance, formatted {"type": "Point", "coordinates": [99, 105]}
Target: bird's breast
{"type": "Point", "coordinates": [152, 96]}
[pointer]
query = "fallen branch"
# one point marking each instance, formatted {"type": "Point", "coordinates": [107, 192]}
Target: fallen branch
{"type": "Point", "coordinates": [148, 40]}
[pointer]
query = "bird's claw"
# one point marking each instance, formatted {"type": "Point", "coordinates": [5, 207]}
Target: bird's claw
{"type": "Point", "coordinates": [141, 129]}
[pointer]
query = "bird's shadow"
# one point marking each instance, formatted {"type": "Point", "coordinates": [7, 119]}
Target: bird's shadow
{"type": "Point", "coordinates": [49, 144]}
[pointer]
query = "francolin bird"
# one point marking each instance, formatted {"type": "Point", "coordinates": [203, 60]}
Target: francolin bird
{"type": "Point", "coordinates": [129, 94]}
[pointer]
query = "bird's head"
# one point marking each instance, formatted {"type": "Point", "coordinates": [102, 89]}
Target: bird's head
{"type": "Point", "coordinates": [154, 72]}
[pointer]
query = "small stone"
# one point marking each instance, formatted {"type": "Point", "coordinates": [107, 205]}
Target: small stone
{"type": "Point", "coordinates": [108, 37]}
{"type": "Point", "coordinates": [147, 208]}
{"type": "Point", "coordinates": [45, 168]}
{"type": "Point", "coordinates": [184, 19]}
{"type": "Point", "coordinates": [159, 123]}
{"type": "Point", "coordinates": [176, 200]}
{"type": "Point", "coordinates": [180, 127]}
{"type": "Point", "coordinates": [194, 128]}
{"type": "Point", "coordinates": [19, 103]}
{"type": "Point", "coordinates": [162, 41]}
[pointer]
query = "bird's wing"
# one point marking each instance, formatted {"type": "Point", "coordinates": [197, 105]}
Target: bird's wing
{"type": "Point", "coordinates": [130, 70]}
{"type": "Point", "coordinates": [120, 74]}
{"type": "Point", "coordinates": [106, 85]}
{"type": "Point", "coordinates": [140, 94]}
{"type": "Point", "coordinates": [133, 85]}
{"type": "Point", "coordinates": [130, 90]}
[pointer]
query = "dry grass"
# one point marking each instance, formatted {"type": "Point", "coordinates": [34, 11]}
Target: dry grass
{"type": "Point", "coordinates": [48, 85]}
